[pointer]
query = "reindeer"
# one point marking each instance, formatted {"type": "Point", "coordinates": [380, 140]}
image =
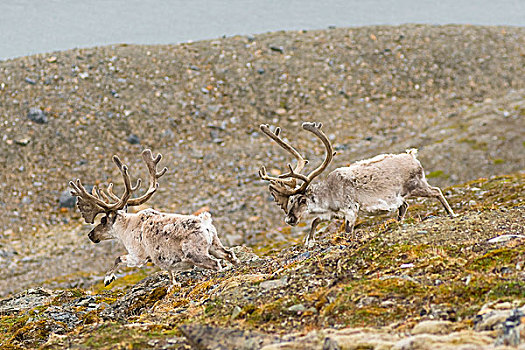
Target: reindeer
{"type": "Point", "coordinates": [372, 186]}
{"type": "Point", "coordinates": [172, 242]}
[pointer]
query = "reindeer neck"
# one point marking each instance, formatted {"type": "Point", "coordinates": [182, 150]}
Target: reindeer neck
{"type": "Point", "coordinates": [318, 196]}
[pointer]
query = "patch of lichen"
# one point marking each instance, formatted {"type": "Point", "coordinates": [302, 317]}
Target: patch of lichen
{"type": "Point", "coordinates": [32, 334]}
{"type": "Point", "coordinates": [273, 246]}
{"type": "Point", "coordinates": [362, 303]}
{"type": "Point", "coordinates": [111, 335]}
{"type": "Point", "coordinates": [505, 191]}
{"type": "Point", "coordinates": [475, 144]}
{"type": "Point", "coordinates": [496, 258]}
{"type": "Point", "coordinates": [10, 324]}
{"type": "Point", "coordinates": [264, 313]}
{"type": "Point", "coordinates": [145, 302]}
{"type": "Point", "coordinates": [91, 317]}
{"type": "Point", "coordinates": [129, 279]}
{"type": "Point", "coordinates": [68, 296]}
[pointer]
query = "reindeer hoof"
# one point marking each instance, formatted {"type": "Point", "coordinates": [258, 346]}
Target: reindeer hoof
{"type": "Point", "coordinates": [309, 243]}
{"type": "Point", "coordinates": [234, 260]}
{"type": "Point", "coordinates": [173, 286]}
{"type": "Point", "coordinates": [109, 279]}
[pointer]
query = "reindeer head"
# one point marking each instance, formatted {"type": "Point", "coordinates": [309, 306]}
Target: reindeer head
{"type": "Point", "coordinates": [105, 201]}
{"type": "Point", "coordinates": [294, 200]}
{"type": "Point", "coordinates": [104, 230]}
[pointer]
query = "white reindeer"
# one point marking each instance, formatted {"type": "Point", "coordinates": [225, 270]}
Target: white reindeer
{"type": "Point", "coordinates": [373, 186]}
{"type": "Point", "coordinates": [173, 242]}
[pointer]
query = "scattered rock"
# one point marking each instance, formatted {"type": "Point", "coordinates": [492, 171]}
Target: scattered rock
{"type": "Point", "coordinates": [23, 141]}
{"type": "Point", "coordinates": [433, 327]}
{"type": "Point", "coordinates": [215, 338]}
{"type": "Point", "coordinates": [366, 301]}
{"type": "Point", "coordinates": [133, 139]}
{"type": "Point", "coordinates": [280, 111]}
{"type": "Point", "coordinates": [66, 200]}
{"type": "Point", "coordinates": [272, 284]}
{"type": "Point", "coordinates": [279, 49]}
{"type": "Point", "coordinates": [26, 300]}
{"type": "Point", "coordinates": [504, 238]}
{"type": "Point", "coordinates": [60, 315]}
{"type": "Point", "coordinates": [236, 312]}
{"type": "Point", "coordinates": [297, 308]}
{"type": "Point", "coordinates": [37, 115]}
{"type": "Point", "coordinates": [512, 329]}
{"type": "Point", "coordinates": [245, 254]}
{"type": "Point", "coordinates": [142, 296]}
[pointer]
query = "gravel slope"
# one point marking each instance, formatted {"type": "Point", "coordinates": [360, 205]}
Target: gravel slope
{"type": "Point", "coordinates": [455, 92]}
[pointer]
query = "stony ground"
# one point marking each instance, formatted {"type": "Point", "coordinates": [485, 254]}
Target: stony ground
{"type": "Point", "coordinates": [455, 92]}
{"type": "Point", "coordinates": [432, 282]}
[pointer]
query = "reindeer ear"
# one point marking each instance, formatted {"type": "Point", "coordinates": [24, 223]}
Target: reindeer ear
{"type": "Point", "coordinates": [89, 210]}
{"type": "Point", "coordinates": [279, 198]}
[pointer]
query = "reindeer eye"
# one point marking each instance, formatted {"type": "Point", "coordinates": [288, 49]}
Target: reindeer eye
{"type": "Point", "coordinates": [104, 220]}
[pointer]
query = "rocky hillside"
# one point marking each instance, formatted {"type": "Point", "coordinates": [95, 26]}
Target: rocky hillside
{"type": "Point", "coordinates": [455, 92]}
{"type": "Point", "coordinates": [430, 282]}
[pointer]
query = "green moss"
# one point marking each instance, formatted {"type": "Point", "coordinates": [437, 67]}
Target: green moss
{"type": "Point", "coordinates": [498, 161]}
{"type": "Point", "coordinates": [34, 333]}
{"type": "Point", "coordinates": [9, 325]}
{"type": "Point", "coordinates": [266, 313]}
{"type": "Point", "coordinates": [475, 144]}
{"type": "Point", "coordinates": [147, 301]}
{"type": "Point", "coordinates": [509, 289]}
{"type": "Point", "coordinates": [115, 336]}
{"type": "Point", "coordinates": [437, 173]}
{"type": "Point", "coordinates": [128, 280]}
{"type": "Point", "coordinates": [212, 306]}
{"type": "Point", "coordinates": [493, 259]}
{"type": "Point", "coordinates": [68, 296]}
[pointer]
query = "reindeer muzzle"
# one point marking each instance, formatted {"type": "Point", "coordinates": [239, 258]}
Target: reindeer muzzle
{"type": "Point", "coordinates": [291, 220]}
{"type": "Point", "coordinates": [92, 238]}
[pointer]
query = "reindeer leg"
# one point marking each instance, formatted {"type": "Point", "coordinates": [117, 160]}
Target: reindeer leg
{"type": "Point", "coordinates": [221, 252]}
{"type": "Point", "coordinates": [184, 265]}
{"type": "Point", "coordinates": [402, 211]}
{"type": "Point", "coordinates": [428, 191]}
{"type": "Point", "coordinates": [197, 254]}
{"type": "Point", "coordinates": [174, 282]}
{"type": "Point", "coordinates": [310, 237]}
{"type": "Point", "coordinates": [350, 218]}
{"type": "Point", "coordinates": [439, 195]}
{"type": "Point", "coordinates": [204, 260]}
{"type": "Point", "coordinates": [123, 259]}
{"type": "Point", "coordinates": [110, 274]}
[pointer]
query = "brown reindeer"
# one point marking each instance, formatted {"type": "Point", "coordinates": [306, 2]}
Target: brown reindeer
{"type": "Point", "coordinates": [172, 242]}
{"type": "Point", "coordinates": [373, 186]}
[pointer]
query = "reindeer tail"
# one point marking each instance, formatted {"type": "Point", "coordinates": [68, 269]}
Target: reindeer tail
{"type": "Point", "coordinates": [412, 152]}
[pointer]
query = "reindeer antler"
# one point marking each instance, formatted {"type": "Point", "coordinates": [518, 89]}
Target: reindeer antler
{"type": "Point", "coordinates": [99, 201]}
{"type": "Point", "coordinates": [284, 186]}
{"type": "Point", "coordinates": [151, 163]}
{"type": "Point", "coordinates": [314, 128]}
{"type": "Point", "coordinates": [301, 162]}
